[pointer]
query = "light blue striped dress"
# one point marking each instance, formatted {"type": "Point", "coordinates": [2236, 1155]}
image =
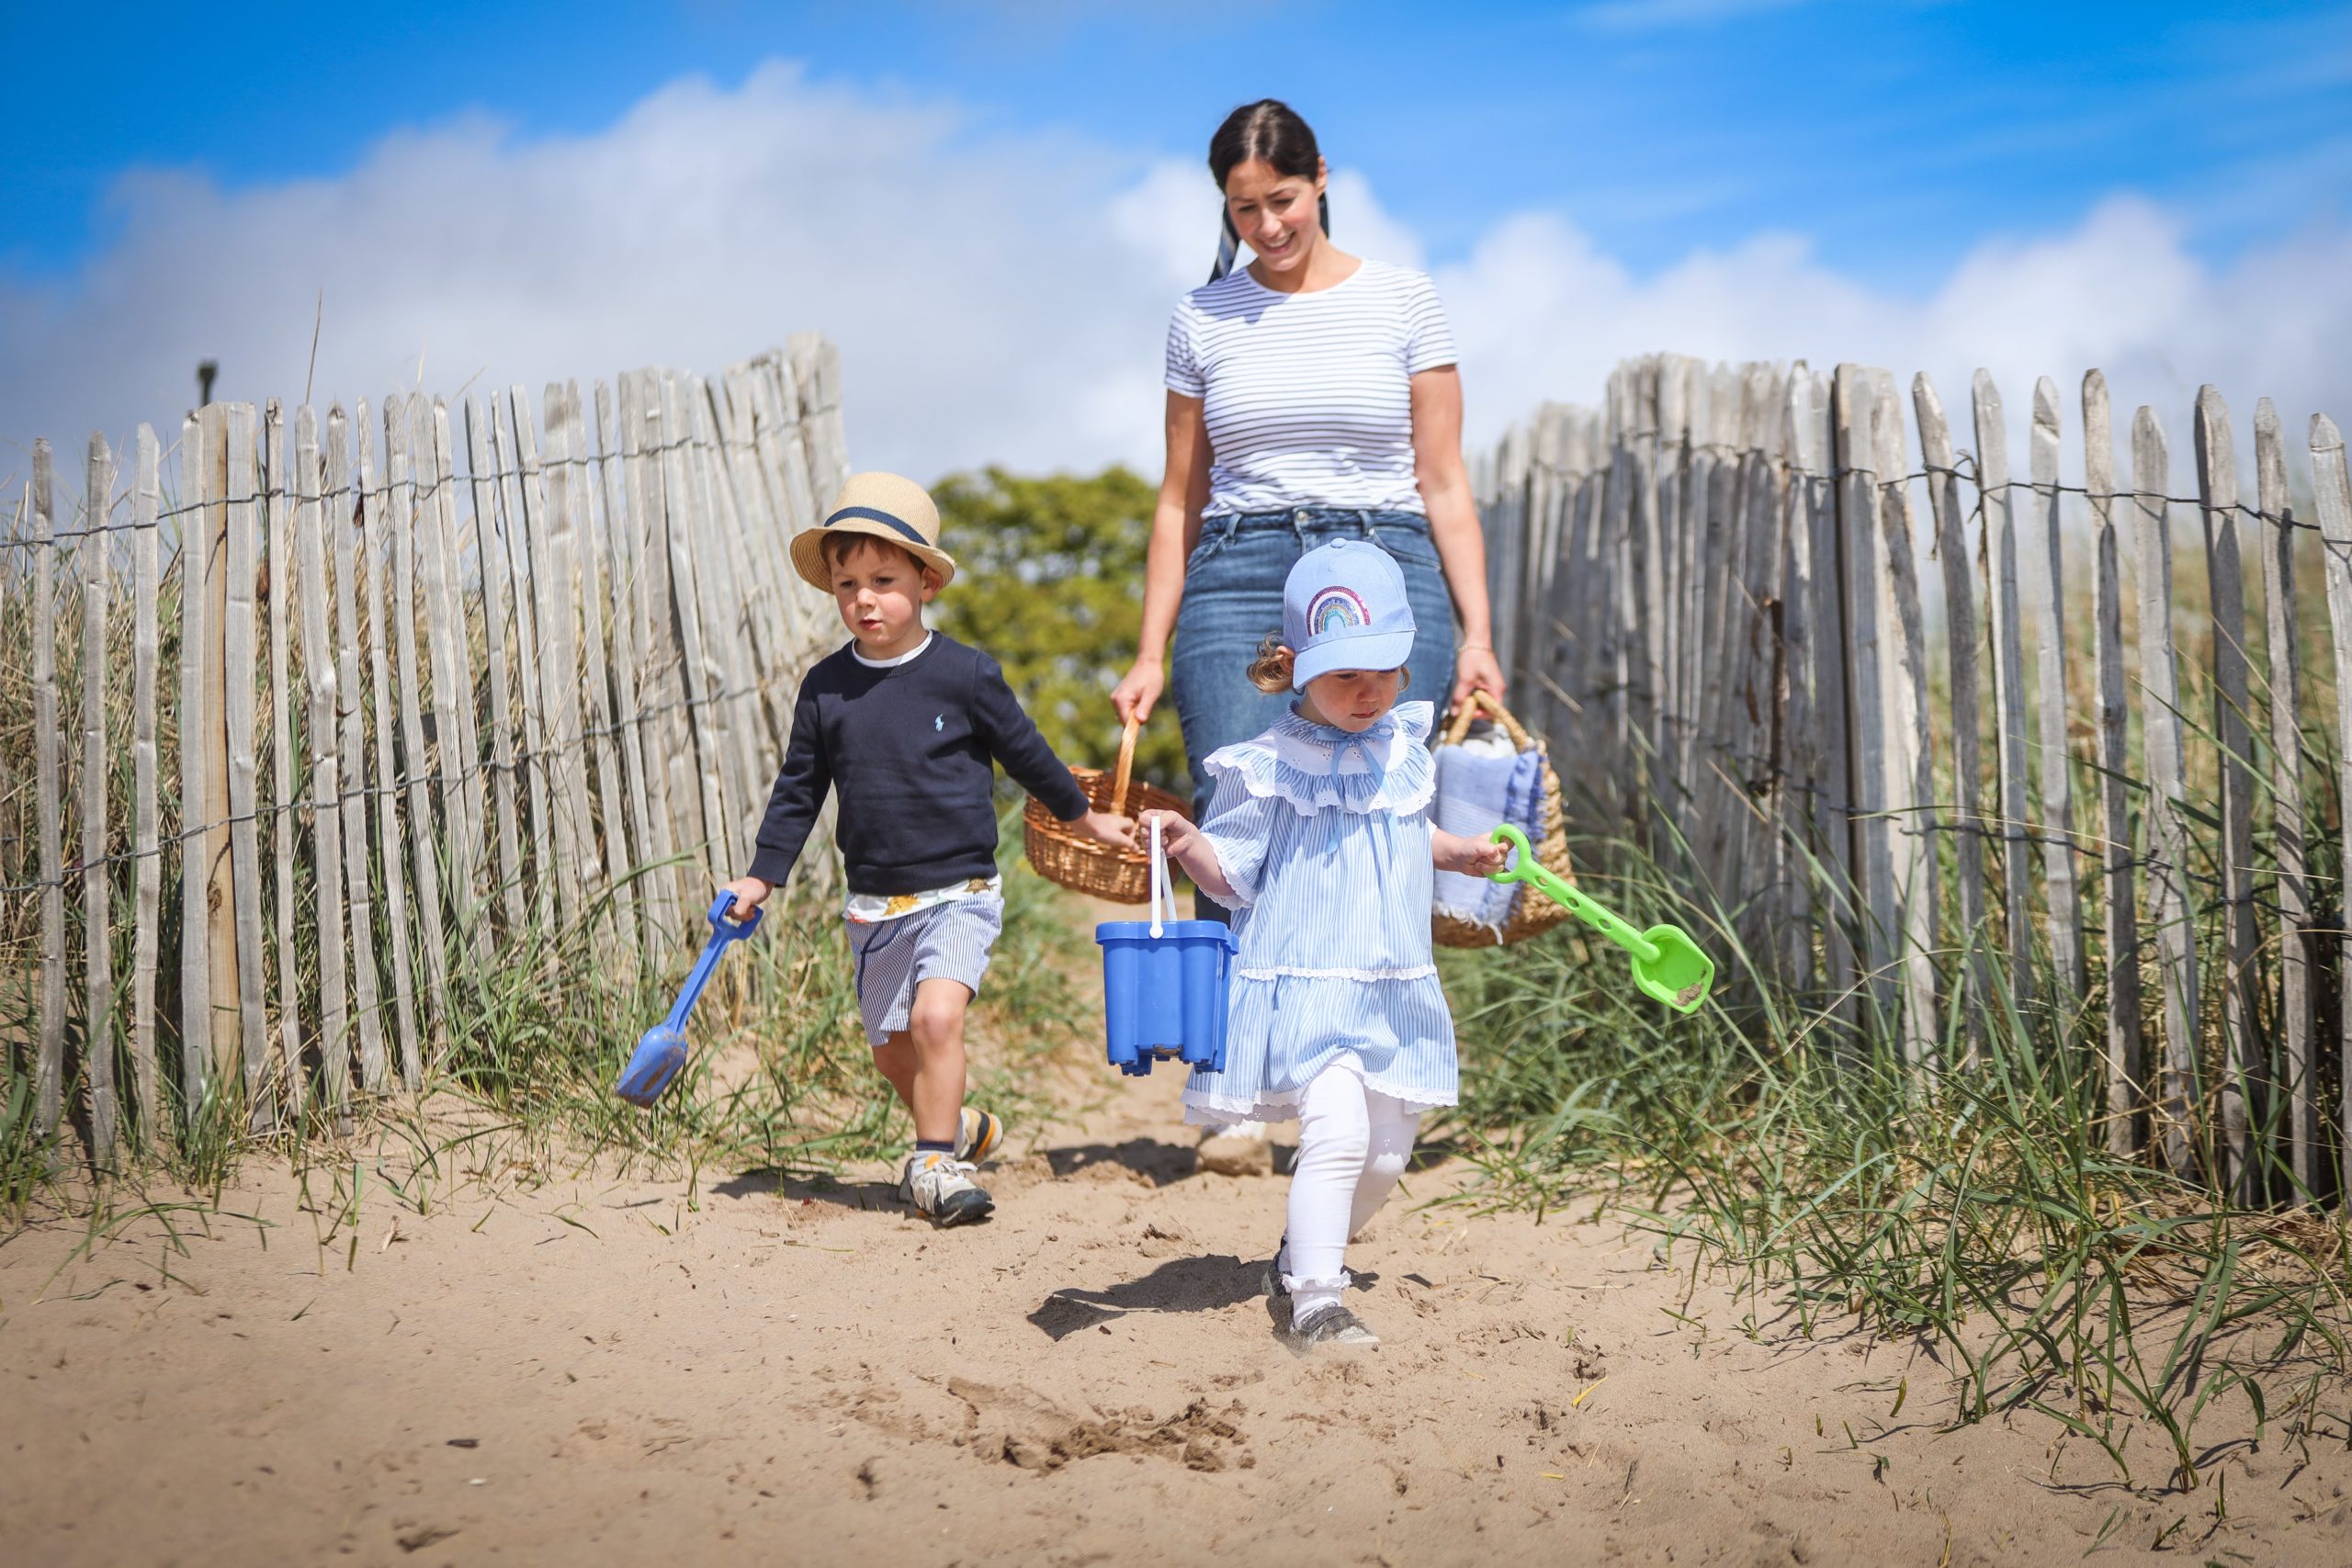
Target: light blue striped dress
{"type": "Point", "coordinates": [1325, 836]}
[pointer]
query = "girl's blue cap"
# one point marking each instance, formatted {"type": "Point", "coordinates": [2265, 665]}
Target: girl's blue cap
{"type": "Point", "coordinates": [1345, 608]}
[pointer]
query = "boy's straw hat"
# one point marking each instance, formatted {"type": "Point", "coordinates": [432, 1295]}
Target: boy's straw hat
{"type": "Point", "coordinates": [895, 511]}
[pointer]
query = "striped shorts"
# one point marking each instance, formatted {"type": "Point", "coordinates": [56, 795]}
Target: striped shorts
{"type": "Point", "coordinates": [948, 942]}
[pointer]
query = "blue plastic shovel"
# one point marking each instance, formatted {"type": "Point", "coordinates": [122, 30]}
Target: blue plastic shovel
{"type": "Point", "coordinates": [663, 1051]}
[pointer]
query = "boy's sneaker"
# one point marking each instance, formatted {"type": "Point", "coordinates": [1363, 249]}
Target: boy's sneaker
{"type": "Point", "coordinates": [978, 1136]}
{"type": "Point", "coordinates": [937, 1187]}
{"type": "Point", "coordinates": [1332, 1325]}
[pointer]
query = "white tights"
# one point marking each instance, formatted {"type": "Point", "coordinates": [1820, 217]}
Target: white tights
{"type": "Point", "coordinates": [1352, 1145]}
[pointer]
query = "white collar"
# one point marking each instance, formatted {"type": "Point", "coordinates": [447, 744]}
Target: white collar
{"type": "Point", "coordinates": [907, 657]}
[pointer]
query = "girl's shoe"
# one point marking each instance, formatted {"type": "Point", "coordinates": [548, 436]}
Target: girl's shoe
{"type": "Point", "coordinates": [938, 1188]}
{"type": "Point", "coordinates": [1270, 1281]}
{"type": "Point", "coordinates": [1332, 1325]}
{"type": "Point", "coordinates": [978, 1136]}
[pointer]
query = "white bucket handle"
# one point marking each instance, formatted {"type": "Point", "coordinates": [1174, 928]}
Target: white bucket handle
{"type": "Point", "coordinates": [1159, 881]}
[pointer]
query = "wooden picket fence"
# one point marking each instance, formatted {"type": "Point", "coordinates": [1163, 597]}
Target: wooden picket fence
{"type": "Point", "coordinates": [2084, 806]}
{"type": "Point", "coordinates": [431, 703]}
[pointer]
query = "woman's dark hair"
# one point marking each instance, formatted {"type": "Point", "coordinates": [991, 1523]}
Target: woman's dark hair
{"type": "Point", "coordinates": [1271, 132]}
{"type": "Point", "coordinates": [1267, 132]}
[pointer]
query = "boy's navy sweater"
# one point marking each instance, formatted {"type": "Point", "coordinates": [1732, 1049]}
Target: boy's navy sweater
{"type": "Point", "coordinates": [909, 746]}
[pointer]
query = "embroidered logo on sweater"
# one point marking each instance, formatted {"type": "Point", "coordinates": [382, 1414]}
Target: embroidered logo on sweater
{"type": "Point", "coordinates": [1336, 609]}
{"type": "Point", "coordinates": [939, 721]}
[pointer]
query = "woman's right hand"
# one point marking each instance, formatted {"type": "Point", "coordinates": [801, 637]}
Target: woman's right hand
{"type": "Point", "coordinates": [1138, 692]}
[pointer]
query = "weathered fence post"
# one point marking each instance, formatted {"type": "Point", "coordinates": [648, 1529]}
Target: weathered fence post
{"type": "Point", "coordinates": [341, 519]}
{"type": "Point", "coordinates": [242, 567]}
{"type": "Point", "coordinates": [390, 848]}
{"type": "Point", "coordinates": [48, 785]}
{"type": "Point", "coordinates": [2332, 493]}
{"type": "Point", "coordinates": [2125, 1066]}
{"type": "Point", "coordinates": [1910, 754]}
{"type": "Point", "coordinates": [2239, 1109]}
{"type": "Point", "coordinates": [2009, 682]}
{"type": "Point", "coordinates": [2057, 824]}
{"type": "Point", "coordinates": [2169, 904]}
{"type": "Point", "coordinates": [278, 573]}
{"type": "Point", "coordinates": [400, 480]}
{"type": "Point", "coordinates": [489, 545]}
{"type": "Point", "coordinates": [1963, 642]}
{"type": "Point", "coordinates": [326, 778]}
{"type": "Point", "coordinates": [2301, 1126]}
{"type": "Point", "coordinates": [196, 768]}
{"type": "Point", "coordinates": [98, 939]}
{"type": "Point", "coordinates": [146, 588]}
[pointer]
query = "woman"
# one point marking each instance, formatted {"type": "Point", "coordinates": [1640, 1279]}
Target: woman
{"type": "Point", "coordinates": [1312, 396]}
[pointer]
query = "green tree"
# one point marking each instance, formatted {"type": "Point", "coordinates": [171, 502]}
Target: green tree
{"type": "Point", "coordinates": [1049, 580]}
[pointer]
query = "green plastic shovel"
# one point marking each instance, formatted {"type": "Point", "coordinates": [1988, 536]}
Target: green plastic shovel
{"type": "Point", "coordinates": [1667, 963]}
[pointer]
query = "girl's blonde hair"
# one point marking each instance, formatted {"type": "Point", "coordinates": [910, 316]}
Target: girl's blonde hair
{"type": "Point", "coordinates": [1271, 671]}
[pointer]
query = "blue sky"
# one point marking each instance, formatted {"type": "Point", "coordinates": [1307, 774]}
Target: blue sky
{"type": "Point", "coordinates": [1895, 134]}
{"type": "Point", "coordinates": [1872, 158]}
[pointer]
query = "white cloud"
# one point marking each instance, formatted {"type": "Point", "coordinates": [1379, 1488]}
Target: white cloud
{"type": "Point", "coordinates": [1542, 314]}
{"type": "Point", "coordinates": [1003, 296]}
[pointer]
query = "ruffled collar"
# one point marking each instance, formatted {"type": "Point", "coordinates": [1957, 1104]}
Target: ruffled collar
{"type": "Point", "coordinates": [1383, 767]}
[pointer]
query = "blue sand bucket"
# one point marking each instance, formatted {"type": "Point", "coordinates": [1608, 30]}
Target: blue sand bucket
{"type": "Point", "coordinates": [1164, 982]}
{"type": "Point", "coordinates": [663, 1050]}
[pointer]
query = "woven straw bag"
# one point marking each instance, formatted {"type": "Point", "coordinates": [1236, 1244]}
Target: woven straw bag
{"type": "Point", "coordinates": [1531, 913]}
{"type": "Point", "coordinates": [1061, 854]}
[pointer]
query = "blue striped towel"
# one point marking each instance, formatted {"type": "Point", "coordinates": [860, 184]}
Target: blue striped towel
{"type": "Point", "coordinates": [1481, 784]}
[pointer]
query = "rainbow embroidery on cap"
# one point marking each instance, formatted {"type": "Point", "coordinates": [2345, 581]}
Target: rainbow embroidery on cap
{"type": "Point", "coordinates": [1336, 609]}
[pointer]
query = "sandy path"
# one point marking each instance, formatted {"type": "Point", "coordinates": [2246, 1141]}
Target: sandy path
{"type": "Point", "coordinates": [807, 1375]}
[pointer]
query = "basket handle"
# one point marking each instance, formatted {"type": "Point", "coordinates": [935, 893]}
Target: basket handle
{"type": "Point", "coordinates": [1127, 765]}
{"type": "Point", "coordinates": [1479, 697]}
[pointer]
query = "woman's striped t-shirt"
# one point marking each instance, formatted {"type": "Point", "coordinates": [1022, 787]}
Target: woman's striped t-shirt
{"type": "Point", "coordinates": [1307, 395]}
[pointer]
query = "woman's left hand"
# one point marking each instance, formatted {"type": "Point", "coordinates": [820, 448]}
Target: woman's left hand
{"type": "Point", "coordinates": [1475, 669]}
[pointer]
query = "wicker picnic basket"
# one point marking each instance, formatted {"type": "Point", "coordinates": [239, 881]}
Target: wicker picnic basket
{"type": "Point", "coordinates": [1531, 913]}
{"type": "Point", "coordinates": [1060, 854]}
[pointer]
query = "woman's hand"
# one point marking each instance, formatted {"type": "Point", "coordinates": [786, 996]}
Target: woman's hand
{"type": "Point", "coordinates": [1138, 692]}
{"type": "Point", "coordinates": [1475, 669]}
{"type": "Point", "coordinates": [1471, 857]}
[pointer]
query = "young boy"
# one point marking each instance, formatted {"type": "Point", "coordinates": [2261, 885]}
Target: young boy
{"type": "Point", "coordinates": [904, 722]}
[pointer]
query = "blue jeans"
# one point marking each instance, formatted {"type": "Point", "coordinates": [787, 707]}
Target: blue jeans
{"type": "Point", "coordinates": [1233, 602]}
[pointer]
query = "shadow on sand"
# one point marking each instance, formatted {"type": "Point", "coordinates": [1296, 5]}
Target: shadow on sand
{"type": "Point", "coordinates": [1207, 1283]}
{"type": "Point", "coordinates": [767, 1181]}
{"type": "Point", "coordinates": [1161, 1164]}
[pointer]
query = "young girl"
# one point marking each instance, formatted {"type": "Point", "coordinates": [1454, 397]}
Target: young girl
{"type": "Point", "coordinates": [1317, 836]}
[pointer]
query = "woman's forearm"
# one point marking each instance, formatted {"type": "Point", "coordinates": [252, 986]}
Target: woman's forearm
{"type": "Point", "coordinates": [1460, 552]}
{"type": "Point", "coordinates": [1163, 576]}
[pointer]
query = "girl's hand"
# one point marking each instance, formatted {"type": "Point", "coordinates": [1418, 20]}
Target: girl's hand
{"type": "Point", "coordinates": [1119, 832]}
{"type": "Point", "coordinates": [750, 894]}
{"type": "Point", "coordinates": [1471, 857]}
{"type": "Point", "coordinates": [1475, 668]}
{"type": "Point", "coordinates": [1138, 691]}
{"type": "Point", "coordinates": [1189, 848]}
{"type": "Point", "coordinates": [1176, 835]}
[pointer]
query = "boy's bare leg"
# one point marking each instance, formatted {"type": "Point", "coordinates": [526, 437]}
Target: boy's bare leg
{"type": "Point", "coordinates": [925, 1062]}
